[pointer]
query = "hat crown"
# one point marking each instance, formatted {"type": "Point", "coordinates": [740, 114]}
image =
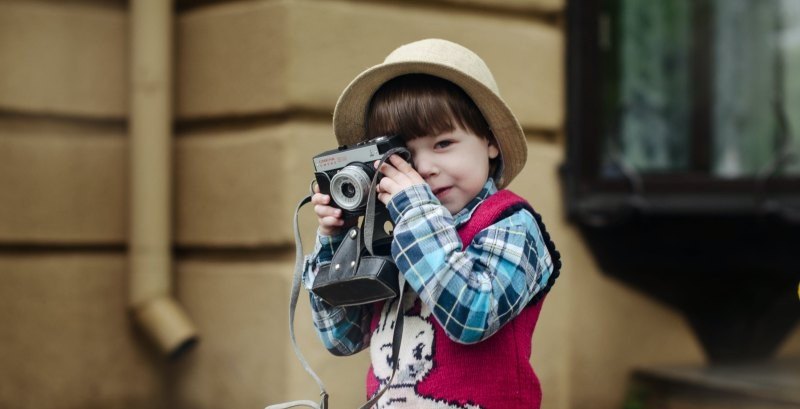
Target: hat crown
{"type": "Point", "coordinates": [451, 62]}
{"type": "Point", "coordinates": [447, 54]}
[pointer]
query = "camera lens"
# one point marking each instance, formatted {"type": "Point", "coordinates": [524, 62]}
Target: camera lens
{"type": "Point", "coordinates": [348, 190]}
{"type": "Point", "coordinates": [350, 186]}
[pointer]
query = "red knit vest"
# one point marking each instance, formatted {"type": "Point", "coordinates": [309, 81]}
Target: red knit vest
{"type": "Point", "coordinates": [436, 372]}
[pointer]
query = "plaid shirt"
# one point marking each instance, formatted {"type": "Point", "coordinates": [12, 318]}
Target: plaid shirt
{"type": "Point", "coordinates": [471, 292]}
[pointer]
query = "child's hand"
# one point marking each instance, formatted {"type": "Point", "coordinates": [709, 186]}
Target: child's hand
{"type": "Point", "coordinates": [329, 217]}
{"type": "Point", "coordinates": [396, 176]}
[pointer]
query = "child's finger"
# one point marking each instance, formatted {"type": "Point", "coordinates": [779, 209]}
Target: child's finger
{"type": "Point", "coordinates": [329, 221]}
{"type": "Point", "coordinates": [384, 198]}
{"type": "Point", "coordinates": [406, 169]}
{"type": "Point", "coordinates": [388, 170]}
{"type": "Point", "coordinates": [388, 185]}
{"type": "Point", "coordinates": [401, 164]}
{"type": "Point", "coordinates": [327, 211]}
{"type": "Point", "coordinates": [396, 175]}
{"type": "Point", "coordinates": [320, 199]}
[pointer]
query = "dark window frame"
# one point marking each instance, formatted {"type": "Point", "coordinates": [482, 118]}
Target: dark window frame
{"type": "Point", "coordinates": [694, 191]}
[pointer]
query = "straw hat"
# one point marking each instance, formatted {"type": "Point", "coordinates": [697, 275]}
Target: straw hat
{"type": "Point", "coordinates": [452, 62]}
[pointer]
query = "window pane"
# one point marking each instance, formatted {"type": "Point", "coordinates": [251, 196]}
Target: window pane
{"type": "Point", "coordinates": [789, 44]}
{"type": "Point", "coordinates": [648, 99]}
{"type": "Point", "coordinates": [745, 86]}
{"type": "Point", "coordinates": [702, 86]}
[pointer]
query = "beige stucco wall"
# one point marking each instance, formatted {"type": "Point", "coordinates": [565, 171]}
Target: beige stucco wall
{"type": "Point", "coordinates": [255, 86]}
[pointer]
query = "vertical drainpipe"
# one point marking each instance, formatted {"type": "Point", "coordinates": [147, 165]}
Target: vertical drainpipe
{"type": "Point", "coordinates": [150, 298]}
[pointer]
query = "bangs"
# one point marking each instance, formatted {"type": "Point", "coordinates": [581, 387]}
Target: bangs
{"type": "Point", "coordinates": [417, 105]}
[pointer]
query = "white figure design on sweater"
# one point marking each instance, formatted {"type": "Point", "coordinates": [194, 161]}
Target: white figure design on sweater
{"type": "Point", "coordinates": [415, 360]}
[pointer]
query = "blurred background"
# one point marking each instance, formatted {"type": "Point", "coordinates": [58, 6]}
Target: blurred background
{"type": "Point", "coordinates": [152, 154]}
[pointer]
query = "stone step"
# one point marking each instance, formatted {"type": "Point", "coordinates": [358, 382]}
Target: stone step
{"type": "Point", "coordinates": [763, 385]}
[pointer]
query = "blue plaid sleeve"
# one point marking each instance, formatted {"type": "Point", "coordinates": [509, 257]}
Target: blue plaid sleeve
{"type": "Point", "coordinates": [342, 330]}
{"type": "Point", "coordinates": [474, 291]}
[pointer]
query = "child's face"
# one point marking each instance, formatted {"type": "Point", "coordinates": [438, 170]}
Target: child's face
{"type": "Point", "coordinates": [454, 164]}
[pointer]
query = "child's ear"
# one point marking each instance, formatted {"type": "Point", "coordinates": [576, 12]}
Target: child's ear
{"type": "Point", "coordinates": [493, 151]}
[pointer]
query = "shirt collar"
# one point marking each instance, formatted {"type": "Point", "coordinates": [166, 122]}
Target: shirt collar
{"type": "Point", "coordinates": [464, 214]}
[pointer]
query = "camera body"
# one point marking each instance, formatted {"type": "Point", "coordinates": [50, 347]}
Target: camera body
{"type": "Point", "coordinates": [355, 276]}
{"type": "Point", "coordinates": [346, 173]}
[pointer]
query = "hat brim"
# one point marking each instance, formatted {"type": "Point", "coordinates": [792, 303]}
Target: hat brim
{"type": "Point", "coordinates": [351, 110]}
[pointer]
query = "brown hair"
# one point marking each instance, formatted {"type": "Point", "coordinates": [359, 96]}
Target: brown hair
{"type": "Point", "coordinates": [416, 105]}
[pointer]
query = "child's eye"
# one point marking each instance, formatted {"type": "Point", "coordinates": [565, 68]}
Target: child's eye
{"type": "Point", "coordinates": [443, 144]}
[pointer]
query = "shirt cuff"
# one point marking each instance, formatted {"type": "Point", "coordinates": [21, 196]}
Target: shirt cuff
{"type": "Point", "coordinates": [408, 198]}
{"type": "Point", "coordinates": [325, 246]}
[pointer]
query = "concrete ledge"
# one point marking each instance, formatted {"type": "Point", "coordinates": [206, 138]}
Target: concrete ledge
{"type": "Point", "coordinates": [501, 5]}
{"type": "Point", "coordinates": [231, 60]}
{"type": "Point", "coordinates": [239, 187]}
{"type": "Point", "coordinates": [62, 182]}
{"type": "Point", "coordinates": [253, 58]}
{"type": "Point", "coordinates": [765, 385]}
{"type": "Point", "coordinates": [65, 183]}
{"type": "Point", "coordinates": [66, 59]}
{"type": "Point", "coordinates": [517, 5]}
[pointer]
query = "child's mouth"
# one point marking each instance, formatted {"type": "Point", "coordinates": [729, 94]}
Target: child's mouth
{"type": "Point", "coordinates": [440, 192]}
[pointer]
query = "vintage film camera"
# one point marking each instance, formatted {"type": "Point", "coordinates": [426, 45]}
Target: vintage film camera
{"type": "Point", "coordinates": [346, 173]}
{"type": "Point", "coordinates": [355, 276]}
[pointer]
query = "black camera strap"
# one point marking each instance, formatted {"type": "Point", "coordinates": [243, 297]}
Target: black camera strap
{"type": "Point", "coordinates": [368, 234]}
{"type": "Point", "coordinates": [370, 228]}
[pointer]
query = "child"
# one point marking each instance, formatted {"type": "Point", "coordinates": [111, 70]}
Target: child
{"type": "Point", "coordinates": [478, 262]}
